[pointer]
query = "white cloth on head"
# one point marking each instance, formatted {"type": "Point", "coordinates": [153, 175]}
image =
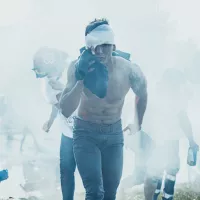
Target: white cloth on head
{"type": "Point", "coordinates": [50, 96]}
{"type": "Point", "coordinates": [50, 60]}
{"type": "Point", "coordinates": [102, 34]}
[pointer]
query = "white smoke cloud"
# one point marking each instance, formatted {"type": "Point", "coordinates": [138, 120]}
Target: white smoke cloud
{"type": "Point", "coordinates": [150, 30]}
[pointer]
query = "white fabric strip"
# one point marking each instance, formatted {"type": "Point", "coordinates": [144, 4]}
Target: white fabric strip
{"type": "Point", "coordinates": [170, 177]}
{"type": "Point", "coordinates": [167, 196]}
{"type": "Point", "coordinates": [103, 34]}
{"type": "Point", "coordinates": [157, 191]}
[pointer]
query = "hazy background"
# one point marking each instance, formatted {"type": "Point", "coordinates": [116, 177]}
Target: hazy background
{"type": "Point", "coordinates": [152, 31]}
{"type": "Point", "coordinates": [158, 34]}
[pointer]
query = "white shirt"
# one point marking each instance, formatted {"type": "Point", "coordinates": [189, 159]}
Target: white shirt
{"type": "Point", "coordinates": [50, 96]}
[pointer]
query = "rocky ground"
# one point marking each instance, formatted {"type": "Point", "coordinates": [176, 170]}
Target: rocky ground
{"type": "Point", "coordinates": [183, 192]}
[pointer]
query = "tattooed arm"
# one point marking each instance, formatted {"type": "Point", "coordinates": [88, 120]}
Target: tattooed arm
{"type": "Point", "coordinates": [139, 86]}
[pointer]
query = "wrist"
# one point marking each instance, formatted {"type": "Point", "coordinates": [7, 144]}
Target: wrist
{"type": "Point", "coordinates": [50, 122]}
{"type": "Point", "coordinates": [190, 139]}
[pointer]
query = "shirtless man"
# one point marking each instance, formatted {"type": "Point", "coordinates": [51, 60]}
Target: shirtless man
{"type": "Point", "coordinates": [98, 137]}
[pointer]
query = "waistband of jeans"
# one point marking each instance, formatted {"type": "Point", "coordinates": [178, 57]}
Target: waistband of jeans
{"type": "Point", "coordinates": [100, 128]}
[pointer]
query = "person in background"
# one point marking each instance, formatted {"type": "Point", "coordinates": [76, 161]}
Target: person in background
{"type": "Point", "coordinates": [49, 65]}
{"type": "Point", "coordinates": [166, 121]}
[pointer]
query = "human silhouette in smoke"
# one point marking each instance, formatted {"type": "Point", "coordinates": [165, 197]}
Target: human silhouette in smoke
{"type": "Point", "coordinates": [49, 65]}
{"type": "Point", "coordinates": [191, 70]}
{"type": "Point", "coordinates": [166, 122]}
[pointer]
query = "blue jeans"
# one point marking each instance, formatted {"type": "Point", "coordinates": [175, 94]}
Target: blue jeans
{"type": "Point", "coordinates": [67, 168]}
{"type": "Point", "coordinates": [98, 150]}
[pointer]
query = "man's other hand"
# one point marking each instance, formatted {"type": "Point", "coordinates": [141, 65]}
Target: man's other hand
{"type": "Point", "coordinates": [194, 145]}
{"type": "Point", "coordinates": [46, 127]}
{"type": "Point", "coordinates": [132, 128]}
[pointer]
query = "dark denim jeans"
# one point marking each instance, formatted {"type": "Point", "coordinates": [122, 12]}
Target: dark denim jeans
{"type": "Point", "coordinates": [98, 150]}
{"type": "Point", "coordinates": [67, 168]}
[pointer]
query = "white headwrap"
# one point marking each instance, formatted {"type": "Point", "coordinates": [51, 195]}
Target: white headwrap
{"type": "Point", "coordinates": [50, 60]}
{"type": "Point", "coordinates": [102, 34]}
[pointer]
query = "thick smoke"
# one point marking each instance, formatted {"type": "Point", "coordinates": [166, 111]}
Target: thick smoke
{"type": "Point", "coordinates": [152, 31]}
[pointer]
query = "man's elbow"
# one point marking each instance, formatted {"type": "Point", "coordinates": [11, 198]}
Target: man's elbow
{"type": "Point", "coordinates": [141, 98]}
{"type": "Point", "coordinates": [65, 113]}
{"type": "Point", "coordinates": [64, 110]}
{"type": "Point", "coordinates": [143, 94]}
{"type": "Point", "coordinates": [67, 109]}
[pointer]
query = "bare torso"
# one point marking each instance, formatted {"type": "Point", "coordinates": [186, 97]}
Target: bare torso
{"type": "Point", "coordinates": [107, 110]}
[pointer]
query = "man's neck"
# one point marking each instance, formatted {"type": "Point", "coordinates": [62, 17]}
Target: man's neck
{"type": "Point", "coordinates": [110, 64]}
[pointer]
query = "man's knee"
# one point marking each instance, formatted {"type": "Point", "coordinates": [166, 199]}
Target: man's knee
{"type": "Point", "coordinates": [110, 192]}
{"type": "Point", "coordinates": [94, 195]}
{"type": "Point", "coordinates": [94, 191]}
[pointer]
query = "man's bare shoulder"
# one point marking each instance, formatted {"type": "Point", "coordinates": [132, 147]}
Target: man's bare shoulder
{"type": "Point", "coordinates": [121, 63]}
{"type": "Point", "coordinates": [121, 60]}
{"type": "Point", "coordinates": [126, 65]}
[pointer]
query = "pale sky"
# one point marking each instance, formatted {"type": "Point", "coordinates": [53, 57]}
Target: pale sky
{"type": "Point", "coordinates": [13, 11]}
{"type": "Point", "coordinates": [184, 13]}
